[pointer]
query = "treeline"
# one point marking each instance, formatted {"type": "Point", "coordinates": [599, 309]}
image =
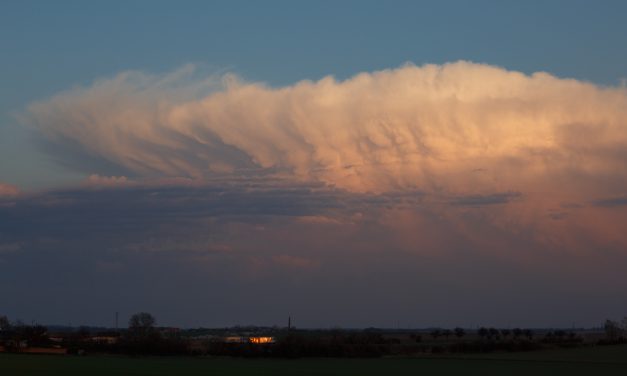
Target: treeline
{"type": "Point", "coordinates": [372, 344]}
{"type": "Point", "coordinates": [143, 337]}
{"type": "Point", "coordinates": [14, 336]}
{"type": "Point", "coordinates": [302, 343]}
{"type": "Point", "coordinates": [615, 332]}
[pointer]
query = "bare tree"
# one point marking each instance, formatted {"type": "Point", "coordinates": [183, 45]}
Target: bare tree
{"type": "Point", "coordinates": [141, 324]}
{"type": "Point", "coordinates": [446, 333]}
{"type": "Point", "coordinates": [4, 323]}
{"type": "Point", "coordinates": [436, 333]}
{"type": "Point", "coordinates": [528, 333]}
{"type": "Point", "coordinates": [483, 332]}
{"type": "Point", "coordinates": [459, 332]}
{"type": "Point", "coordinates": [517, 332]}
{"type": "Point", "coordinates": [612, 330]}
{"type": "Point", "coordinates": [493, 333]}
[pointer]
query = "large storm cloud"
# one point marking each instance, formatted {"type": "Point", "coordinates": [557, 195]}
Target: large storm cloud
{"type": "Point", "coordinates": [402, 182]}
{"type": "Point", "coordinates": [458, 127]}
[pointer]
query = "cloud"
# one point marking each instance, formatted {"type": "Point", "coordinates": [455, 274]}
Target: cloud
{"type": "Point", "coordinates": [493, 199]}
{"type": "Point", "coordinates": [611, 202]}
{"type": "Point", "coordinates": [9, 247]}
{"type": "Point", "coordinates": [393, 184]}
{"type": "Point", "coordinates": [8, 190]}
{"type": "Point", "coordinates": [453, 141]}
{"type": "Point", "coordinates": [324, 254]}
{"type": "Point", "coordinates": [295, 262]}
{"type": "Point", "coordinates": [462, 128]}
{"type": "Point", "coordinates": [98, 181]}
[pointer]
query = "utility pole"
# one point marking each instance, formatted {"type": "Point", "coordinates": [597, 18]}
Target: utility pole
{"type": "Point", "coordinates": [116, 321]}
{"type": "Point", "coordinates": [289, 323]}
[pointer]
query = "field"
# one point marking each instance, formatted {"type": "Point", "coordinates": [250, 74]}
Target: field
{"type": "Point", "coordinates": [608, 360]}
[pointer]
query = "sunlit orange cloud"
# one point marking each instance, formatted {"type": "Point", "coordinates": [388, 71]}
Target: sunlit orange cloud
{"type": "Point", "coordinates": [530, 153]}
{"type": "Point", "coordinates": [461, 127]}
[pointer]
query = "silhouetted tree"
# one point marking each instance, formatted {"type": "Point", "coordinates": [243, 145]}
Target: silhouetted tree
{"type": "Point", "coordinates": [141, 324]}
{"type": "Point", "coordinates": [143, 338]}
{"type": "Point", "coordinates": [483, 332]}
{"type": "Point", "coordinates": [5, 328]}
{"type": "Point", "coordinates": [83, 333]}
{"type": "Point", "coordinates": [505, 332]}
{"type": "Point", "coordinates": [4, 323]}
{"type": "Point", "coordinates": [36, 335]}
{"type": "Point", "coordinates": [436, 333]}
{"type": "Point", "coordinates": [459, 332]}
{"type": "Point", "coordinates": [560, 334]}
{"type": "Point", "coordinates": [494, 333]}
{"type": "Point", "coordinates": [528, 333]}
{"type": "Point", "coordinates": [447, 333]}
{"type": "Point", "coordinates": [612, 330]}
{"type": "Point", "coordinates": [517, 332]}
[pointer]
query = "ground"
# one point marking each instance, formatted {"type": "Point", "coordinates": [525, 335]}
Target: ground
{"type": "Point", "coordinates": [606, 360]}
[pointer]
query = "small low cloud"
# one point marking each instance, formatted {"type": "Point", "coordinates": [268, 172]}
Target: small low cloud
{"type": "Point", "coordinates": [98, 181]}
{"type": "Point", "coordinates": [557, 215]}
{"type": "Point", "coordinates": [611, 202]}
{"type": "Point", "coordinates": [166, 243]}
{"type": "Point", "coordinates": [295, 262]}
{"type": "Point", "coordinates": [8, 190]}
{"type": "Point", "coordinates": [491, 199]}
{"type": "Point", "coordinates": [6, 248]}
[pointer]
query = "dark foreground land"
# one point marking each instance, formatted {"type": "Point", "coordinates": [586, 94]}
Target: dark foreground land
{"type": "Point", "coordinates": [598, 360]}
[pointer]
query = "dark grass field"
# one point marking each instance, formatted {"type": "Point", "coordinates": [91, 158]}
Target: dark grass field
{"type": "Point", "coordinates": [608, 360]}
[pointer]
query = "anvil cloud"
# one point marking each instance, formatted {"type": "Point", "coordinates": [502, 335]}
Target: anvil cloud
{"type": "Point", "coordinates": [461, 127]}
{"type": "Point", "coordinates": [461, 133]}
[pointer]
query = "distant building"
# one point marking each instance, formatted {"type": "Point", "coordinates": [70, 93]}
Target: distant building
{"type": "Point", "coordinates": [261, 340]}
{"type": "Point", "coordinates": [109, 340]}
{"type": "Point", "coordinates": [234, 339]}
{"type": "Point", "coordinates": [253, 339]}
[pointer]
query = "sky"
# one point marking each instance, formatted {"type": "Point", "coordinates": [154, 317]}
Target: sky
{"type": "Point", "coordinates": [352, 164]}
